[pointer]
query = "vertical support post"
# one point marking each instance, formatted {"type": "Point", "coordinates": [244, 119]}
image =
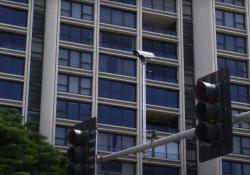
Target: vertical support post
{"type": "Point", "coordinates": [144, 117]}
{"type": "Point", "coordinates": [50, 66]}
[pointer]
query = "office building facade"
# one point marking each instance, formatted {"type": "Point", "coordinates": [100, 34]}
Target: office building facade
{"type": "Point", "coordinates": [64, 61]}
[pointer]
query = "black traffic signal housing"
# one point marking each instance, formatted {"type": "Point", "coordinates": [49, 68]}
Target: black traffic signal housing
{"type": "Point", "coordinates": [82, 153]}
{"type": "Point", "coordinates": [213, 111]}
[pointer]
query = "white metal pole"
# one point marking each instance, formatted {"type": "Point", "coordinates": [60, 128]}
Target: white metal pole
{"type": "Point", "coordinates": [153, 143]}
{"type": "Point", "coordinates": [239, 118]}
{"type": "Point", "coordinates": [144, 117]}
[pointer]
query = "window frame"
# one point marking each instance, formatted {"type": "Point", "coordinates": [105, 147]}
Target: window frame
{"type": "Point", "coordinates": [241, 147]}
{"type": "Point", "coordinates": [70, 36]}
{"type": "Point", "coordinates": [223, 43]}
{"type": "Point", "coordinates": [89, 17]}
{"type": "Point", "coordinates": [231, 167]}
{"type": "Point", "coordinates": [82, 63]}
{"type": "Point", "coordinates": [122, 18]}
{"type": "Point", "coordinates": [153, 76]}
{"type": "Point", "coordinates": [11, 41]}
{"type": "Point", "coordinates": [237, 65]}
{"type": "Point", "coordinates": [12, 65]}
{"type": "Point", "coordinates": [107, 39]}
{"type": "Point", "coordinates": [153, 4]}
{"type": "Point", "coordinates": [234, 2]}
{"type": "Point", "coordinates": [106, 115]}
{"type": "Point", "coordinates": [12, 90]}
{"type": "Point", "coordinates": [64, 113]}
{"type": "Point", "coordinates": [14, 16]}
{"type": "Point", "coordinates": [154, 93]}
{"type": "Point", "coordinates": [113, 63]}
{"type": "Point", "coordinates": [169, 50]}
{"type": "Point", "coordinates": [115, 87]}
{"type": "Point", "coordinates": [113, 142]}
{"type": "Point", "coordinates": [64, 139]}
{"type": "Point", "coordinates": [238, 93]}
{"type": "Point", "coordinates": [67, 84]}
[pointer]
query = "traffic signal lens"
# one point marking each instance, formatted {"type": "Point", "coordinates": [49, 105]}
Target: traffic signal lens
{"type": "Point", "coordinates": [77, 170]}
{"type": "Point", "coordinates": [77, 154]}
{"type": "Point", "coordinates": [208, 133]}
{"type": "Point", "coordinates": [207, 112]}
{"type": "Point", "coordinates": [206, 91]}
{"type": "Point", "coordinates": [77, 137]}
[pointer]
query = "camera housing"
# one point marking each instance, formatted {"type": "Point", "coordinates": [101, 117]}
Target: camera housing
{"type": "Point", "coordinates": [144, 56]}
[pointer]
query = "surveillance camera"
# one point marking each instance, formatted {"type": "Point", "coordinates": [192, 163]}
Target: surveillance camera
{"type": "Point", "coordinates": [143, 55]}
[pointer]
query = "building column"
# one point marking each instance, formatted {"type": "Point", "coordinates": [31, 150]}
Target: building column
{"type": "Point", "coordinates": [205, 59]}
{"type": "Point", "coordinates": [49, 75]}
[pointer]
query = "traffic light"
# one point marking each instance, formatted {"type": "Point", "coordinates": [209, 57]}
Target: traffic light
{"type": "Point", "coordinates": [83, 150]}
{"type": "Point", "coordinates": [213, 111]}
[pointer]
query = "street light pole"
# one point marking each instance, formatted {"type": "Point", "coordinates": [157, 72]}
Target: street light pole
{"type": "Point", "coordinates": [236, 119]}
{"type": "Point", "coordinates": [144, 58]}
{"type": "Point", "coordinates": [143, 107]}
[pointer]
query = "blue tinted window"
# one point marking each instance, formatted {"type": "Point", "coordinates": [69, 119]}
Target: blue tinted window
{"type": "Point", "coordinates": [230, 19]}
{"type": "Point", "coordinates": [231, 43]}
{"type": "Point", "coordinates": [164, 5]}
{"type": "Point", "coordinates": [76, 59]}
{"type": "Point", "coordinates": [162, 73]}
{"type": "Point", "coordinates": [73, 110]}
{"type": "Point", "coordinates": [235, 168]}
{"type": "Point", "coordinates": [74, 84]}
{"type": "Point", "coordinates": [166, 28]}
{"type": "Point", "coordinates": [117, 65]}
{"type": "Point", "coordinates": [77, 10]}
{"type": "Point", "coordinates": [117, 41]}
{"type": "Point", "coordinates": [116, 116]}
{"type": "Point", "coordinates": [106, 16]}
{"type": "Point", "coordinates": [114, 142]}
{"type": "Point", "coordinates": [117, 90]}
{"type": "Point", "coordinates": [13, 16]}
{"type": "Point", "coordinates": [11, 90]}
{"type": "Point", "coordinates": [12, 41]}
{"type": "Point", "coordinates": [241, 145]}
{"type": "Point", "coordinates": [161, 49]}
{"type": "Point", "coordinates": [61, 135]}
{"type": "Point", "coordinates": [76, 34]}
{"type": "Point", "coordinates": [11, 65]}
{"type": "Point", "coordinates": [131, 2]}
{"type": "Point", "coordinates": [167, 151]}
{"type": "Point", "coordinates": [116, 168]}
{"type": "Point", "coordinates": [10, 109]}
{"type": "Point", "coordinates": [158, 170]}
{"type": "Point", "coordinates": [22, 1]}
{"type": "Point", "coordinates": [170, 126]}
{"type": "Point", "coordinates": [236, 67]}
{"type": "Point", "coordinates": [239, 93]}
{"type": "Point", "coordinates": [118, 17]}
{"type": "Point", "coordinates": [233, 2]}
{"type": "Point", "coordinates": [162, 97]}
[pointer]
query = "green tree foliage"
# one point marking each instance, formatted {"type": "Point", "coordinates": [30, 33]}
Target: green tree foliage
{"type": "Point", "coordinates": [23, 152]}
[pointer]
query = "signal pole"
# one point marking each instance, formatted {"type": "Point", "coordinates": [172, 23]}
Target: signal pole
{"type": "Point", "coordinates": [214, 129]}
{"type": "Point", "coordinates": [82, 153]}
{"type": "Point", "coordinates": [236, 119]}
{"type": "Point", "coordinates": [144, 117]}
{"type": "Point", "coordinates": [213, 111]}
{"type": "Point", "coordinates": [144, 58]}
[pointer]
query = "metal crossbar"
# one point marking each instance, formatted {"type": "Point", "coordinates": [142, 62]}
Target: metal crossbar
{"type": "Point", "coordinates": [236, 119]}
